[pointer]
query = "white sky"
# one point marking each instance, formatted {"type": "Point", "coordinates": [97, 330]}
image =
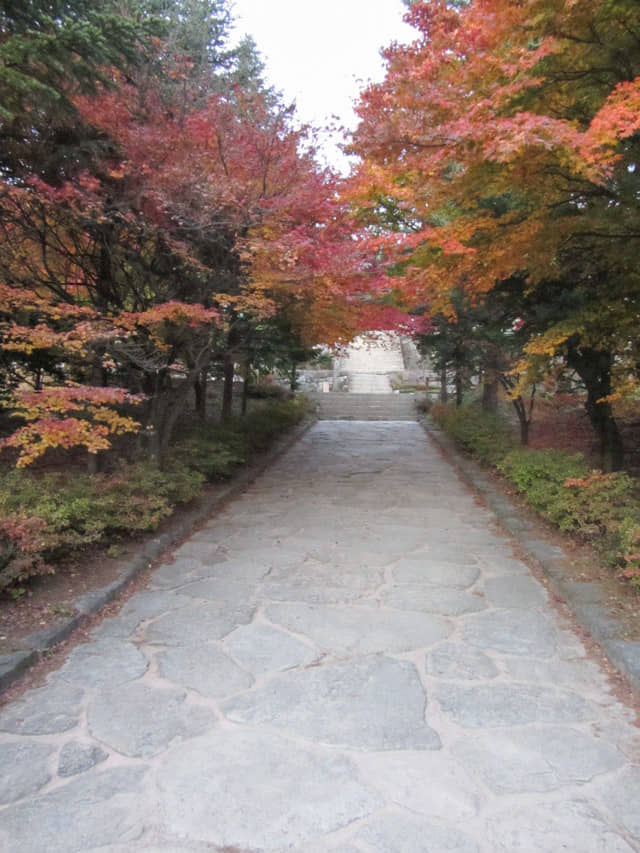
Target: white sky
{"type": "Point", "coordinates": [321, 53]}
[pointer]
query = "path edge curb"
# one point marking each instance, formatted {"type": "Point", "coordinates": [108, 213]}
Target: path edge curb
{"type": "Point", "coordinates": [14, 664]}
{"type": "Point", "coordinates": [585, 600]}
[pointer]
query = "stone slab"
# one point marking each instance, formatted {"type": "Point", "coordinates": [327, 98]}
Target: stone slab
{"type": "Point", "coordinates": [104, 663]}
{"type": "Point", "coordinates": [200, 623]}
{"type": "Point", "coordinates": [459, 662]}
{"type": "Point", "coordinates": [428, 783]}
{"type": "Point", "coordinates": [510, 705]}
{"type": "Point", "coordinates": [76, 757]}
{"type": "Point", "coordinates": [392, 832]}
{"type": "Point", "coordinates": [203, 668]}
{"type": "Point", "coordinates": [620, 796]}
{"type": "Point", "coordinates": [536, 759]}
{"type": "Point", "coordinates": [149, 604]}
{"type": "Point", "coordinates": [233, 592]}
{"type": "Point", "coordinates": [576, 673]}
{"type": "Point", "coordinates": [428, 569]}
{"type": "Point", "coordinates": [252, 791]}
{"type": "Point", "coordinates": [432, 599]}
{"type": "Point", "coordinates": [261, 649]}
{"type": "Point", "coordinates": [517, 591]}
{"type": "Point", "coordinates": [360, 629]}
{"type": "Point", "coordinates": [141, 721]}
{"type": "Point", "coordinates": [25, 769]}
{"type": "Point", "coordinates": [181, 570]}
{"type": "Point", "coordinates": [369, 703]}
{"type": "Point", "coordinates": [46, 710]}
{"type": "Point", "coordinates": [512, 631]}
{"type": "Point", "coordinates": [548, 827]}
{"type": "Point", "coordinates": [88, 812]}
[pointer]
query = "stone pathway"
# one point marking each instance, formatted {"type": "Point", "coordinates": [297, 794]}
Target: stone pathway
{"type": "Point", "coordinates": [347, 658]}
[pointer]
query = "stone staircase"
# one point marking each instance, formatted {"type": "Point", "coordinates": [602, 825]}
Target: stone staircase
{"type": "Point", "coordinates": [369, 364]}
{"type": "Point", "coordinates": [340, 406]}
{"type": "Point", "coordinates": [369, 383]}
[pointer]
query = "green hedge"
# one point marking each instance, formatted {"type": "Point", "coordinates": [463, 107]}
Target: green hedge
{"type": "Point", "coordinates": [603, 509]}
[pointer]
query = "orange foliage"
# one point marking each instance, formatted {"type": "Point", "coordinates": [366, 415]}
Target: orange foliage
{"type": "Point", "coordinates": [66, 417]}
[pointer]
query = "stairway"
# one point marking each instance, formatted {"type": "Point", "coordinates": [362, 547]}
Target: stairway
{"type": "Point", "coordinates": [365, 407]}
{"type": "Point", "coordinates": [370, 363]}
{"type": "Point", "coordinates": [369, 383]}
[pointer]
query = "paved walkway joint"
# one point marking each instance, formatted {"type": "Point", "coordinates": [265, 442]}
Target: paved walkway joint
{"type": "Point", "coordinates": [348, 657]}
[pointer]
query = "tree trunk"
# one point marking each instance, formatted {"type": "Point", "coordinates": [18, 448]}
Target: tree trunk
{"type": "Point", "coordinates": [156, 419]}
{"type": "Point", "coordinates": [200, 392]}
{"type": "Point", "coordinates": [524, 412]}
{"type": "Point", "coordinates": [594, 368]}
{"type": "Point", "coordinates": [94, 463]}
{"type": "Point", "coordinates": [245, 386]}
{"type": "Point", "coordinates": [489, 394]}
{"type": "Point", "coordinates": [293, 376]}
{"type": "Point", "coordinates": [161, 419]}
{"type": "Point", "coordinates": [490, 381]}
{"type": "Point", "coordinates": [524, 420]}
{"type": "Point", "coordinates": [610, 447]}
{"type": "Point", "coordinates": [459, 388]}
{"type": "Point", "coordinates": [227, 390]}
{"type": "Point", "coordinates": [100, 380]}
{"type": "Point", "coordinates": [444, 392]}
{"type": "Point", "coordinates": [172, 413]}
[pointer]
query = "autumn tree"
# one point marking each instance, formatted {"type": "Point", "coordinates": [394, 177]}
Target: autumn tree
{"type": "Point", "coordinates": [505, 136]}
{"type": "Point", "coordinates": [198, 214]}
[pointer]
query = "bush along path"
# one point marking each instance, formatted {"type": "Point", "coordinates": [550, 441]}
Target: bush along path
{"type": "Point", "coordinates": [209, 467]}
{"type": "Point", "coordinates": [602, 509]}
{"type": "Point", "coordinates": [349, 656]}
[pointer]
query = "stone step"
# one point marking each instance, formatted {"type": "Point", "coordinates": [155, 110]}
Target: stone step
{"type": "Point", "coordinates": [382, 354]}
{"type": "Point", "coordinates": [365, 407]}
{"type": "Point", "coordinates": [369, 383]}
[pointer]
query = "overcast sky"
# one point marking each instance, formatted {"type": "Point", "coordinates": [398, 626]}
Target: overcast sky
{"type": "Point", "coordinates": [319, 53]}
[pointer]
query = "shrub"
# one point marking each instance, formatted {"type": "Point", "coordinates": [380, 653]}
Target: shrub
{"type": "Point", "coordinates": [268, 391]}
{"type": "Point", "coordinates": [43, 518]}
{"type": "Point", "coordinates": [591, 504]}
{"type": "Point", "coordinates": [487, 436]}
{"type": "Point", "coordinates": [630, 550]}
{"type": "Point", "coordinates": [255, 431]}
{"type": "Point", "coordinates": [21, 547]}
{"type": "Point", "coordinates": [541, 476]}
{"type": "Point", "coordinates": [176, 483]}
{"type": "Point", "coordinates": [205, 451]}
{"type": "Point", "coordinates": [601, 503]}
{"type": "Point", "coordinates": [261, 426]}
{"type": "Point", "coordinates": [600, 508]}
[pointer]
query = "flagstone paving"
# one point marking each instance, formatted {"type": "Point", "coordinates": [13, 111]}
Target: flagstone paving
{"type": "Point", "coordinates": [348, 657]}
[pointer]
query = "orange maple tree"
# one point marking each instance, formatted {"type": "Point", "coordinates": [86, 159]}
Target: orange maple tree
{"type": "Point", "coordinates": [502, 146]}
